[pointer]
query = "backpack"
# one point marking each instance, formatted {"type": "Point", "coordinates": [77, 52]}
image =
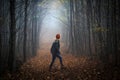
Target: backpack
{"type": "Point", "coordinates": [53, 48]}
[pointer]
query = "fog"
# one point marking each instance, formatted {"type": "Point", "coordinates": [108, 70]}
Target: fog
{"type": "Point", "coordinates": [52, 23]}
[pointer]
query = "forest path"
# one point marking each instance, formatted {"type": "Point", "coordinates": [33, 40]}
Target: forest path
{"type": "Point", "coordinates": [76, 68]}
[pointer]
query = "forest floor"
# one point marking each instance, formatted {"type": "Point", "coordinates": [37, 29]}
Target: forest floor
{"type": "Point", "coordinates": [76, 68]}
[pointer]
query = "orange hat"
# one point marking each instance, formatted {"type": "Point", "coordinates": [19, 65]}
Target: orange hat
{"type": "Point", "coordinates": [57, 36]}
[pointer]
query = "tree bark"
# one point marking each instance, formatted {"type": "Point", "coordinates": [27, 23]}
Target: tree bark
{"type": "Point", "coordinates": [25, 31]}
{"type": "Point", "coordinates": [12, 37]}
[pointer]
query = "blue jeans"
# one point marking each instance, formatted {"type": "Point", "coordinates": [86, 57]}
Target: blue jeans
{"type": "Point", "coordinates": [53, 60]}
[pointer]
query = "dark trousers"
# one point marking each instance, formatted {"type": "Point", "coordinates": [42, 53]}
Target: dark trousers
{"type": "Point", "coordinates": [53, 60]}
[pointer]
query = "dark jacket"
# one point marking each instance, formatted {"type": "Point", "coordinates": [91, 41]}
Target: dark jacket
{"type": "Point", "coordinates": [55, 47]}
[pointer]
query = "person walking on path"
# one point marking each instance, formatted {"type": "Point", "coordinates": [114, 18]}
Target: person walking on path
{"type": "Point", "coordinates": [55, 52]}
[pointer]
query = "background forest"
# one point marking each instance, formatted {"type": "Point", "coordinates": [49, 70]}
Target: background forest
{"type": "Point", "coordinates": [88, 27]}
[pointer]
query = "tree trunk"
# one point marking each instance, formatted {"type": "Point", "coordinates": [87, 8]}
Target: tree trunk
{"type": "Point", "coordinates": [25, 31]}
{"type": "Point", "coordinates": [12, 38]}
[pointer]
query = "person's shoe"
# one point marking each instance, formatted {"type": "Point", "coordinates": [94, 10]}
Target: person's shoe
{"type": "Point", "coordinates": [49, 69]}
{"type": "Point", "coordinates": [62, 67]}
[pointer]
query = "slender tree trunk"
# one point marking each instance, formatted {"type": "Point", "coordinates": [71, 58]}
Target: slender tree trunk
{"type": "Point", "coordinates": [88, 14]}
{"type": "Point", "coordinates": [71, 24]}
{"type": "Point", "coordinates": [115, 34]}
{"type": "Point", "coordinates": [25, 30]}
{"type": "Point", "coordinates": [12, 37]}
